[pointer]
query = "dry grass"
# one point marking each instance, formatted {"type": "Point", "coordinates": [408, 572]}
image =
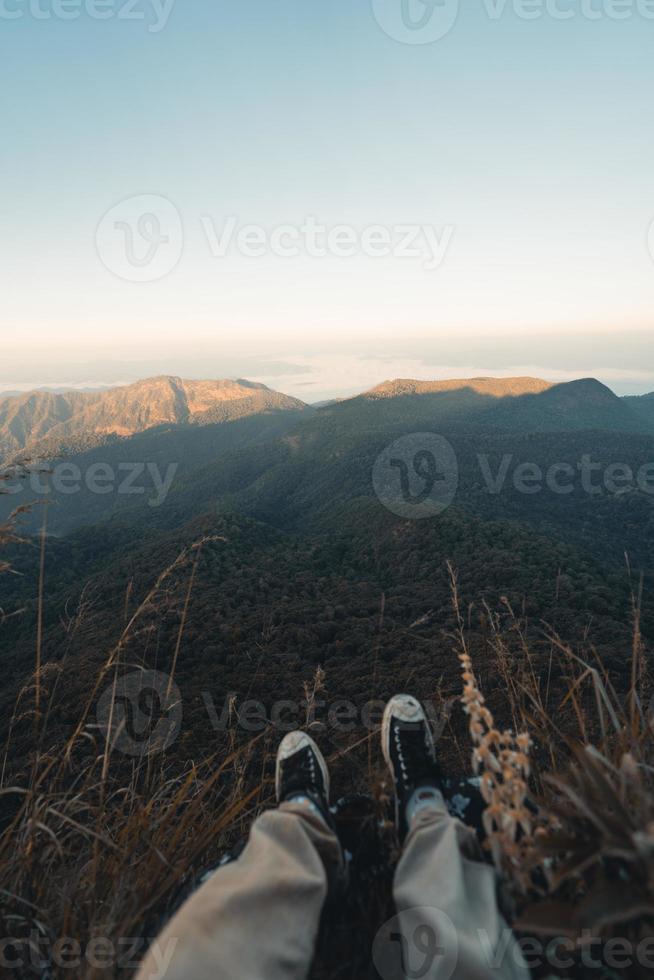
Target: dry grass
{"type": "Point", "coordinates": [96, 844]}
{"type": "Point", "coordinates": [573, 832]}
{"type": "Point", "coordinates": [501, 761]}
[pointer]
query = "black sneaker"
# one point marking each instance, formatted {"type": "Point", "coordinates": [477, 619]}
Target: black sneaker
{"type": "Point", "coordinates": [408, 747]}
{"type": "Point", "coordinates": [302, 771]}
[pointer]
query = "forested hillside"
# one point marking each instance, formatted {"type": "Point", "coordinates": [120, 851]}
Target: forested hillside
{"type": "Point", "coordinates": [303, 556]}
{"type": "Point", "coordinates": [270, 583]}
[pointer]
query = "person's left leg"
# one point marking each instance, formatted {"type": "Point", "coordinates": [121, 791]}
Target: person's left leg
{"type": "Point", "coordinates": [258, 918]}
{"type": "Point", "coordinates": [449, 922]}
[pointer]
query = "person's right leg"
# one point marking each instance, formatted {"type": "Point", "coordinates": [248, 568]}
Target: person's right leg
{"type": "Point", "coordinates": [258, 918]}
{"type": "Point", "coordinates": [450, 924]}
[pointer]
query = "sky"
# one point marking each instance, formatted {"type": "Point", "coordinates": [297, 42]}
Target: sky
{"type": "Point", "coordinates": [321, 196]}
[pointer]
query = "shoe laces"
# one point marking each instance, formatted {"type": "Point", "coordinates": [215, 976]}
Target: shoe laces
{"type": "Point", "coordinates": [301, 772]}
{"type": "Point", "coordinates": [413, 753]}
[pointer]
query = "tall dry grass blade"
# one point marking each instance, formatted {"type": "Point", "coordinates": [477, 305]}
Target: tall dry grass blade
{"type": "Point", "coordinates": [180, 633]}
{"type": "Point", "coordinates": [39, 624]}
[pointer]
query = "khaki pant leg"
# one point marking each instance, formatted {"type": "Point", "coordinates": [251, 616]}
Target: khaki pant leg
{"type": "Point", "coordinates": [258, 918]}
{"type": "Point", "coordinates": [451, 926]}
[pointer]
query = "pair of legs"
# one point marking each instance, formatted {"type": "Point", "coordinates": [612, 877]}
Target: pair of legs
{"type": "Point", "coordinates": [258, 918]}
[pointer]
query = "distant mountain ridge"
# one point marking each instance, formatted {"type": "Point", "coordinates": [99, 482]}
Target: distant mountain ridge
{"type": "Point", "coordinates": [643, 406]}
{"type": "Point", "coordinates": [277, 459]}
{"type": "Point", "coordinates": [510, 404]}
{"type": "Point", "coordinates": [582, 404]}
{"type": "Point", "coordinates": [495, 387]}
{"type": "Point", "coordinates": [44, 423]}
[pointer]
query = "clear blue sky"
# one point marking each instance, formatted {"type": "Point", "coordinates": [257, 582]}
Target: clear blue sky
{"type": "Point", "coordinates": [527, 144]}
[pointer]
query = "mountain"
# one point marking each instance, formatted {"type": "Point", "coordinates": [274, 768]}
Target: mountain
{"type": "Point", "coordinates": [292, 465]}
{"type": "Point", "coordinates": [303, 551]}
{"type": "Point", "coordinates": [643, 406]}
{"type": "Point", "coordinates": [583, 404]}
{"type": "Point", "coordinates": [48, 424]}
{"type": "Point", "coordinates": [512, 404]}
{"type": "Point", "coordinates": [489, 387]}
{"type": "Point", "coordinates": [431, 402]}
